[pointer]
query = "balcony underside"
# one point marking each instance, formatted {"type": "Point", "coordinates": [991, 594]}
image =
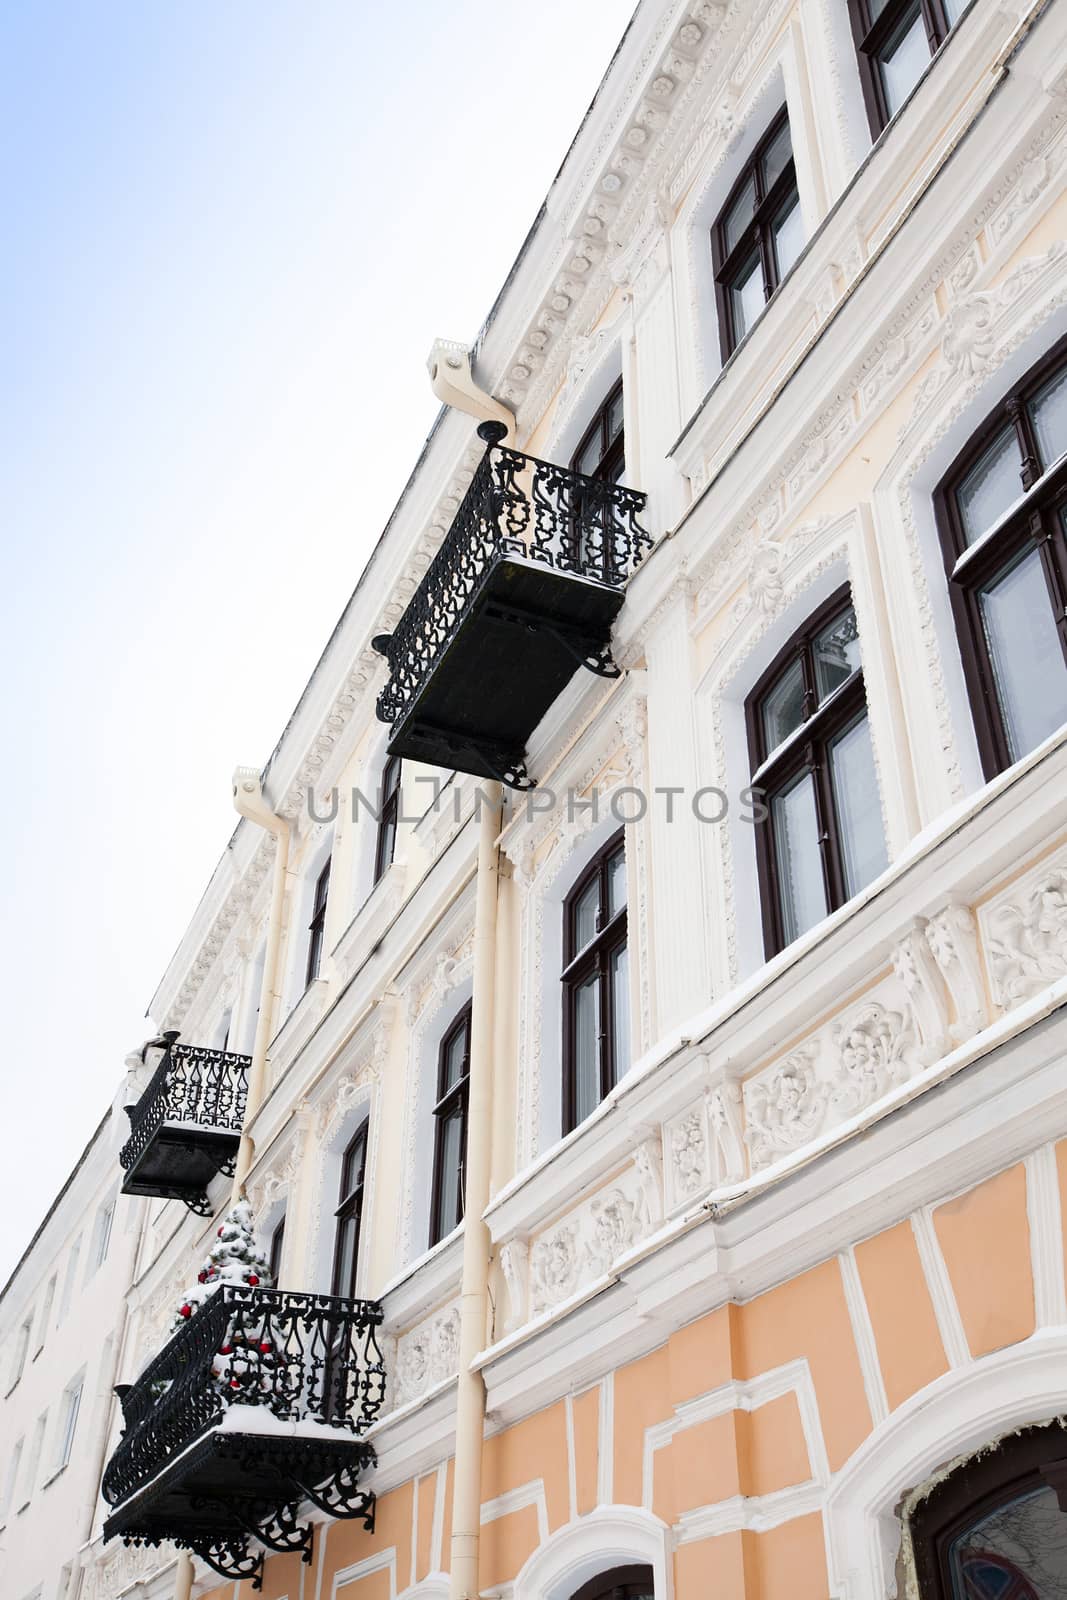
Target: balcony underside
{"type": "Point", "coordinates": [179, 1161]}
{"type": "Point", "coordinates": [230, 1486]}
{"type": "Point", "coordinates": [522, 635]}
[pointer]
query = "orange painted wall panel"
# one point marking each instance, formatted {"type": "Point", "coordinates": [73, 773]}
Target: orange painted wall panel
{"type": "Point", "coordinates": [427, 1499]}
{"type": "Point", "coordinates": [808, 1317]}
{"type": "Point", "coordinates": [701, 1356]}
{"type": "Point", "coordinates": [375, 1586]}
{"type": "Point", "coordinates": [506, 1543]}
{"type": "Point", "coordinates": [985, 1239]}
{"type": "Point", "coordinates": [697, 1468]}
{"type": "Point", "coordinates": [350, 1542]}
{"type": "Point", "coordinates": [536, 1448]}
{"type": "Point", "coordinates": [446, 1537]}
{"type": "Point", "coordinates": [281, 1579]}
{"type": "Point", "coordinates": [641, 1398]}
{"type": "Point", "coordinates": [585, 1415]}
{"type": "Point", "coordinates": [772, 1452]}
{"type": "Point", "coordinates": [788, 1562]}
{"type": "Point", "coordinates": [711, 1569]}
{"type": "Point", "coordinates": [906, 1335]}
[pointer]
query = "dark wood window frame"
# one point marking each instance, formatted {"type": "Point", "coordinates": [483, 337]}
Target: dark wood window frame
{"type": "Point", "coordinates": [612, 460]}
{"type": "Point", "coordinates": [758, 237]}
{"type": "Point", "coordinates": [317, 925]}
{"type": "Point", "coordinates": [806, 751]}
{"type": "Point", "coordinates": [578, 967]}
{"type": "Point", "coordinates": [451, 1103]}
{"type": "Point", "coordinates": [349, 1212]}
{"type": "Point", "coordinates": [388, 817]}
{"type": "Point", "coordinates": [277, 1240]}
{"type": "Point", "coordinates": [872, 33]}
{"type": "Point", "coordinates": [1035, 523]}
{"type": "Point", "coordinates": [621, 1583]}
{"type": "Point", "coordinates": [1034, 1458]}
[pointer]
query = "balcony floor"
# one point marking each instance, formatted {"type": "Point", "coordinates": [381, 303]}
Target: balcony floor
{"type": "Point", "coordinates": [521, 637]}
{"type": "Point", "coordinates": [180, 1160]}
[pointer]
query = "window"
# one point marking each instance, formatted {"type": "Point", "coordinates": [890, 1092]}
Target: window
{"type": "Point", "coordinates": [596, 997]}
{"type": "Point", "coordinates": [622, 1583]}
{"type": "Point", "coordinates": [996, 1527]}
{"type": "Point", "coordinates": [388, 815]}
{"type": "Point", "coordinates": [317, 925]}
{"type": "Point", "coordinates": [757, 236]}
{"type": "Point", "coordinates": [810, 745]}
{"type": "Point", "coordinates": [349, 1215]}
{"type": "Point", "coordinates": [71, 1405]}
{"type": "Point", "coordinates": [68, 1281]}
{"type": "Point", "coordinates": [274, 1255]}
{"type": "Point", "coordinates": [36, 1445]}
{"type": "Point", "coordinates": [46, 1314]}
{"type": "Point", "coordinates": [1002, 519]}
{"type": "Point", "coordinates": [450, 1128]}
{"type": "Point", "coordinates": [11, 1480]}
{"type": "Point", "coordinates": [602, 453]}
{"type": "Point", "coordinates": [895, 40]}
{"type": "Point", "coordinates": [104, 1224]}
{"type": "Point", "coordinates": [22, 1345]}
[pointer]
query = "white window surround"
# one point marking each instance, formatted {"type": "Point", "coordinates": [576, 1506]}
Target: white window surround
{"type": "Point", "coordinates": [700, 359]}
{"type": "Point", "coordinates": [611, 1536]}
{"type": "Point", "coordinates": [22, 1348]}
{"type": "Point", "coordinates": [253, 986]}
{"type": "Point", "coordinates": [361, 1109]}
{"type": "Point", "coordinates": [364, 824]}
{"type": "Point", "coordinates": [45, 1319]}
{"type": "Point", "coordinates": [962, 1411]}
{"type": "Point", "coordinates": [431, 1026]}
{"type": "Point", "coordinates": [67, 1428]}
{"type": "Point", "coordinates": [102, 1230]}
{"type": "Point", "coordinates": [69, 1279]}
{"type": "Point", "coordinates": [593, 369]}
{"type": "Point", "coordinates": [319, 851]}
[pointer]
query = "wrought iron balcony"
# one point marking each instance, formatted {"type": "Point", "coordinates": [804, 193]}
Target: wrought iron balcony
{"type": "Point", "coordinates": [523, 591]}
{"type": "Point", "coordinates": [186, 1127]}
{"type": "Point", "coordinates": [257, 1404]}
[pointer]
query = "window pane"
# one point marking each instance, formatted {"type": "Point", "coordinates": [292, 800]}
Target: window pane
{"type": "Point", "coordinates": [616, 883]}
{"type": "Point", "coordinates": [904, 62]}
{"type": "Point", "coordinates": [1049, 411]}
{"type": "Point", "coordinates": [788, 237]}
{"type": "Point", "coordinates": [347, 1240]}
{"type": "Point", "coordinates": [837, 654]}
{"type": "Point", "coordinates": [796, 839]}
{"type": "Point", "coordinates": [620, 1000]}
{"type": "Point", "coordinates": [586, 1048]}
{"type": "Point", "coordinates": [455, 1054]}
{"type": "Point", "coordinates": [778, 156]}
{"type": "Point", "coordinates": [991, 486]}
{"type": "Point", "coordinates": [1027, 658]}
{"type": "Point", "coordinates": [739, 215]}
{"type": "Point", "coordinates": [746, 295]}
{"type": "Point", "coordinates": [448, 1175]}
{"type": "Point", "coordinates": [859, 815]}
{"type": "Point", "coordinates": [584, 914]}
{"type": "Point", "coordinates": [588, 458]}
{"type": "Point", "coordinates": [783, 707]}
{"type": "Point", "coordinates": [1018, 1550]}
{"type": "Point", "coordinates": [954, 10]}
{"type": "Point", "coordinates": [615, 418]}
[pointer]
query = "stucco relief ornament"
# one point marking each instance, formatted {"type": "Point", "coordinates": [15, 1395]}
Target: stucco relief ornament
{"type": "Point", "coordinates": [689, 1153]}
{"type": "Point", "coordinates": [648, 1164]}
{"type": "Point", "coordinates": [875, 1053]}
{"type": "Point", "coordinates": [785, 1110]}
{"type": "Point", "coordinates": [554, 1266]}
{"type": "Point", "coordinates": [444, 1347]}
{"type": "Point", "coordinates": [514, 1263]}
{"type": "Point", "coordinates": [1028, 943]}
{"type": "Point", "coordinates": [952, 934]}
{"type": "Point", "coordinates": [412, 1366]}
{"type": "Point", "coordinates": [615, 1229]}
{"type": "Point", "coordinates": [727, 1135]}
{"type": "Point", "coordinates": [970, 339]}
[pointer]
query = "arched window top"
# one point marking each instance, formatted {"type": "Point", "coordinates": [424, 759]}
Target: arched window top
{"type": "Point", "coordinates": [996, 1527]}
{"type": "Point", "coordinates": [1002, 521]}
{"type": "Point", "coordinates": [621, 1583]}
{"type": "Point", "coordinates": [601, 452]}
{"type": "Point", "coordinates": [388, 816]}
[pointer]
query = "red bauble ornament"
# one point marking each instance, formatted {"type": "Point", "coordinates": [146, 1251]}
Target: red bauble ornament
{"type": "Point", "coordinates": [224, 1349]}
{"type": "Point", "coordinates": [265, 1347]}
{"type": "Point", "coordinates": [201, 1277]}
{"type": "Point", "coordinates": [252, 1280]}
{"type": "Point", "coordinates": [186, 1311]}
{"type": "Point", "coordinates": [235, 1383]}
{"type": "Point", "coordinates": [220, 1233]}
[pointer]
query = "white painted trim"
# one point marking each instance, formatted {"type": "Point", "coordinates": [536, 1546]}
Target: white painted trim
{"type": "Point", "coordinates": [437, 1536]}
{"type": "Point", "coordinates": [608, 1537]}
{"type": "Point", "coordinates": [572, 1472]}
{"type": "Point", "coordinates": [1046, 1237]}
{"type": "Point", "coordinates": [381, 1560]}
{"type": "Point", "coordinates": [754, 1513]}
{"type": "Point", "coordinates": [959, 1412]}
{"type": "Point", "coordinates": [939, 1283]}
{"type": "Point", "coordinates": [605, 1463]}
{"type": "Point", "coordinates": [527, 1494]}
{"type": "Point", "coordinates": [863, 1334]}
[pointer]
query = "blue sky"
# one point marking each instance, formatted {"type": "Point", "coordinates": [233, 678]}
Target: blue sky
{"type": "Point", "coordinates": [232, 231]}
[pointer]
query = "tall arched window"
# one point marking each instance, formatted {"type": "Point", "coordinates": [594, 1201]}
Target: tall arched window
{"type": "Point", "coordinates": [349, 1215]}
{"type": "Point", "coordinates": [388, 815]}
{"type": "Point", "coordinates": [821, 841]}
{"type": "Point", "coordinates": [996, 1527]}
{"type": "Point", "coordinates": [621, 1583]}
{"type": "Point", "coordinates": [1002, 519]}
{"type": "Point", "coordinates": [596, 987]}
{"type": "Point", "coordinates": [317, 925]}
{"type": "Point", "coordinates": [450, 1128]}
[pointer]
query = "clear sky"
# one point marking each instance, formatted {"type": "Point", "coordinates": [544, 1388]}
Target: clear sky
{"type": "Point", "coordinates": [231, 232]}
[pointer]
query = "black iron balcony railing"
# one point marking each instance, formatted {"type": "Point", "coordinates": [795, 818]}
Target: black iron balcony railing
{"type": "Point", "coordinates": [186, 1127]}
{"type": "Point", "coordinates": [521, 593]}
{"type": "Point", "coordinates": [196, 1466]}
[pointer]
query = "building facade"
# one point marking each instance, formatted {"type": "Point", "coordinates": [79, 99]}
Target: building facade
{"type": "Point", "coordinates": [739, 1034]}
